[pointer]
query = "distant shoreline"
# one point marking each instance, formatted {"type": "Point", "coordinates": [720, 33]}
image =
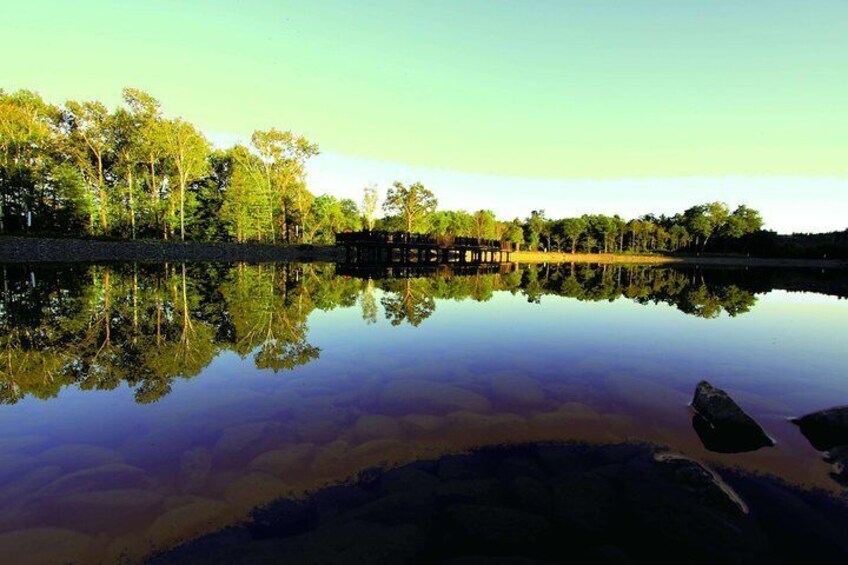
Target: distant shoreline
{"type": "Point", "coordinates": [55, 250]}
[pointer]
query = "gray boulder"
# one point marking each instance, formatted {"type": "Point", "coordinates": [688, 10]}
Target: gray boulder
{"type": "Point", "coordinates": [722, 425]}
{"type": "Point", "coordinates": [825, 429]}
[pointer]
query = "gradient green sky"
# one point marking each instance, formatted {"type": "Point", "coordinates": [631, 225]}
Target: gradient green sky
{"type": "Point", "coordinates": [592, 89]}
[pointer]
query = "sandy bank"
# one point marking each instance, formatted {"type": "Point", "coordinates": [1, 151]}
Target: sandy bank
{"type": "Point", "coordinates": [730, 260]}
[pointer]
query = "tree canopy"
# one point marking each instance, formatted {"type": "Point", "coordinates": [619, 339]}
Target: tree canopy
{"type": "Point", "coordinates": [413, 203]}
{"type": "Point", "coordinates": [83, 169]}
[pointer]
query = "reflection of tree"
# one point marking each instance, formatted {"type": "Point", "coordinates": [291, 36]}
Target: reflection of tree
{"type": "Point", "coordinates": [688, 292]}
{"type": "Point", "coordinates": [269, 309]}
{"type": "Point", "coordinates": [146, 325]}
{"type": "Point", "coordinates": [149, 325]}
{"type": "Point", "coordinates": [36, 344]}
{"type": "Point", "coordinates": [98, 359]}
{"type": "Point", "coordinates": [180, 343]}
{"type": "Point", "coordinates": [737, 301]}
{"type": "Point", "coordinates": [369, 303]}
{"type": "Point", "coordinates": [704, 303]}
{"type": "Point", "coordinates": [530, 286]}
{"type": "Point", "coordinates": [27, 372]}
{"type": "Point", "coordinates": [409, 300]}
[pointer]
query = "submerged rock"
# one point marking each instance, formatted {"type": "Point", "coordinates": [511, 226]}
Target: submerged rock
{"type": "Point", "coordinates": [44, 545]}
{"type": "Point", "coordinates": [416, 396]}
{"type": "Point", "coordinates": [839, 457]}
{"type": "Point", "coordinates": [722, 425]}
{"type": "Point", "coordinates": [825, 429]}
{"type": "Point", "coordinates": [703, 482]}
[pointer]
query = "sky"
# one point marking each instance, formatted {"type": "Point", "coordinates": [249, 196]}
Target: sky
{"type": "Point", "coordinates": [569, 106]}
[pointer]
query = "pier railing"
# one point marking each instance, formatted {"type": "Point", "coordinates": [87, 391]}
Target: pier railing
{"type": "Point", "coordinates": [403, 247]}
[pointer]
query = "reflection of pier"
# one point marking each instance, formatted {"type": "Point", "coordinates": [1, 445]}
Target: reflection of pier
{"type": "Point", "coordinates": [412, 248]}
{"type": "Point", "coordinates": [380, 271]}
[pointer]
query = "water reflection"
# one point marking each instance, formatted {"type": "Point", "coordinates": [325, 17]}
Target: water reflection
{"type": "Point", "coordinates": [192, 427]}
{"type": "Point", "coordinates": [100, 325]}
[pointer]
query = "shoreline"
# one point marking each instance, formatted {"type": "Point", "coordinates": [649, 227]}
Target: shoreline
{"type": "Point", "coordinates": [15, 249]}
{"type": "Point", "coordinates": [55, 250]}
{"type": "Point", "coordinates": [534, 257]}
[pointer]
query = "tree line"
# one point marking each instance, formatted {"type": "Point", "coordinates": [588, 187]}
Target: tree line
{"type": "Point", "coordinates": [82, 169]}
{"type": "Point", "coordinates": [413, 208]}
{"type": "Point", "coordinates": [129, 172]}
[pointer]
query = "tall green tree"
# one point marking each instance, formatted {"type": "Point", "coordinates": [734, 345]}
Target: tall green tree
{"type": "Point", "coordinates": [742, 221]}
{"type": "Point", "coordinates": [128, 154]}
{"type": "Point", "coordinates": [187, 150]}
{"type": "Point", "coordinates": [246, 205]}
{"type": "Point", "coordinates": [678, 237]}
{"type": "Point", "coordinates": [147, 114]}
{"type": "Point", "coordinates": [91, 132]}
{"type": "Point", "coordinates": [39, 179]}
{"type": "Point", "coordinates": [484, 224]}
{"type": "Point", "coordinates": [370, 200]}
{"type": "Point", "coordinates": [282, 156]}
{"type": "Point", "coordinates": [573, 228]}
{"type": "Point", "coordinates": [451, 223]}
{"type": "Point", "coordinates": [706, 220]}
{"type": "Point", "coordinates": [536, 225]}
{"type": "Point", "coordinates": [301, 201]}
{"type": "Point", "coordinates": [620, 228]}
{"type": "Point", "coordinates": [413, 203]}
{"type": "Point", "coordinates": [514, 233]}
{"type": "Point", "coordinates": [330, 216]}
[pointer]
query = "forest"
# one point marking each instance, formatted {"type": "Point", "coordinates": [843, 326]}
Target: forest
{"type": "Point", "coordinates": [146, 325]}
{"type": "Point", "coordinates": [84, 170]}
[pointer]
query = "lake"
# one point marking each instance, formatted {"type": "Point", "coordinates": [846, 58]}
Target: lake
{"type": "Point", "coordinates": [142, 405]}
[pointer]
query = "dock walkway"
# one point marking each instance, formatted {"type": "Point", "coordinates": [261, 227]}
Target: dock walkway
{"type": "Point", "coordinates": [408, 248]}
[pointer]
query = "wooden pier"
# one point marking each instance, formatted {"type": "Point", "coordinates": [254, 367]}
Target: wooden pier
{"type": "Point", "coordinates": [413, 248]}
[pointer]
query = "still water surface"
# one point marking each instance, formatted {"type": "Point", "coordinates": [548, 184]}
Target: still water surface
{"type": "Point", "coordinates": [141, 405]}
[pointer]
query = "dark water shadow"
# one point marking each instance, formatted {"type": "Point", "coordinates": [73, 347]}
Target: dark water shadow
{"type": "Point", "coordinates": [540, 503]}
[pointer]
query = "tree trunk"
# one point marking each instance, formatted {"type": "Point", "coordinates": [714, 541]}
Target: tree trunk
{"type": "Point", "coordinates": [102, 194]}
{"type": "Point", "coordinates": [154, 192]}
{"type": "Point", "coordinates": [284, 224]}
{"type": "Point", "coordinates": [132, 201]}
{"type": "Point", "coordinates": [103, 222]}
{"type": "Point", "coordinates": [182, 208]}
{"type": "Point", "coordinates": [135, 302]}
{"type": "Point", "coordinates": [271, 221]}
{"type": "Point", "coordinates": [107, 317]}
